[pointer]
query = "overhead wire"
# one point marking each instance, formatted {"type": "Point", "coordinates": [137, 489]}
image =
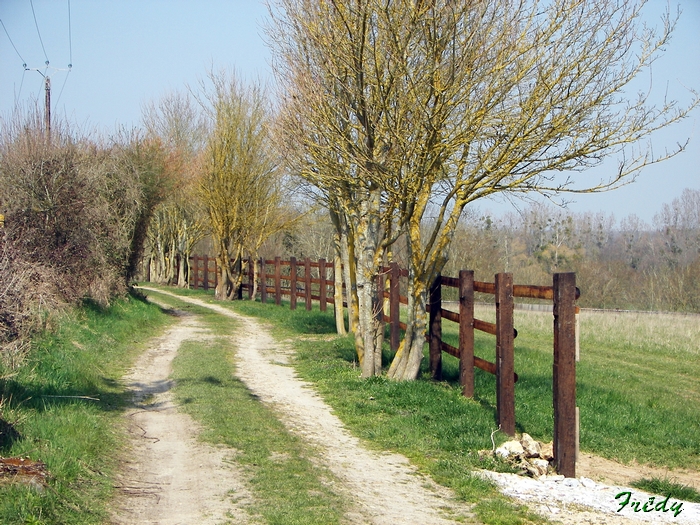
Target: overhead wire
{"type": "Point", "coordinates": [70, 40]}
{"type": "Point", "coordinates": [47, 67]}
{"type": "Point", "coordinates": [70, 56]}
{"type": "Point", "coordinates": [24, 72]}
{"type": "Point", "coordinates": [62, 86]}
{"type": "Point", "coordinates": [24, 63]}
{"type": "Point", "coordinates": [39, 33]}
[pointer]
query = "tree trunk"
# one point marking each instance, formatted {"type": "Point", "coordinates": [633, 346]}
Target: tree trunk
{"type": "Point", "coordinates": [256, 275]}
{"type": "Point", "coordinates": [408, 358]}
{"type": "Point", "coordinates": [338, 290]}
{"type": "Point", "coordinates": [368, 253]}
{"type": "Point", "coordinates": [338, 275]}
{"type": "Point", "coordinates": [237, 276]}
{"type": "Point", "coordinates": [224, 283]}
{"type": "Point", "coordinates": [183, 271]}
{"type": "Point", "coordinates": [347, 254]}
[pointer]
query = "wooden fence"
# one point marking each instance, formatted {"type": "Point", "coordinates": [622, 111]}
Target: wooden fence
{"type": "Point", "coordinates": [563, 293]}
{"type": "Point", "coordinates": [284, 279]}
{"type": "Point", "coordinates": [204, 274]}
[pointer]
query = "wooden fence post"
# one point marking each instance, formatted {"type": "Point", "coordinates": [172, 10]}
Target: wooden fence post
{"type": "Point", "coordinates": [505, 366]}
{"type": "Point", "coordinates": [205, 273]}
{"type": "Point", "coordinates": [263, 281]}
{"type": "Point", "coordinates": [307, 282]}
{"type": "Point", "coordinates": [323, 290]}
{"type": "Point", "coordinates": [466, 332]}
{"type": "Point", "coordinates": [564, 372]}
{"type": "Point", "coordinates": [436, 329]}
{"type": "Point", "coordinates": [278, 281]}
{"type": "Point", "coordinates": [251, 276]}
{"type": "Point", "coordinates": [239, 271]}
{"type": "Point", "coordinates": [394, 306]}
{"type": "Point", "coordinates": [195, 271]}
{"type": "Point", "coordinates": [293, 283]}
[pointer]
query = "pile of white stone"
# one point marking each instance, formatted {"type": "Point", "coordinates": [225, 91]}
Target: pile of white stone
{"type": "Point", "coordinates": [532, 457]}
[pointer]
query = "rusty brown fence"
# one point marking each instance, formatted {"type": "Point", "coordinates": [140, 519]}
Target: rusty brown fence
{"type": "Point", "coordinates": [310, 281]}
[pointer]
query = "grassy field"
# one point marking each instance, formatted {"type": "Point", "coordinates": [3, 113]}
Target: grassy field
{"type": "Point", "coordinates": [64, 406]}
{"type": "Point", "coordinates": [637, 385]}
{"type": "Point", "coordinates": [637, 391]}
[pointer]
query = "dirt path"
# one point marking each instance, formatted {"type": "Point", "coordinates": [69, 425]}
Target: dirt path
{"type": "Point", "coordinates": [172, 479]}
{"type": "Point", "coordinates": [169, 478]}
{"type": "Point", "coordinates": [382, 488]}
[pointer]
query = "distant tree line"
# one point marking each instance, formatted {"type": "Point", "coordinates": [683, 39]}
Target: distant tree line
{"type": "Point", "coordinates": [625, 264]}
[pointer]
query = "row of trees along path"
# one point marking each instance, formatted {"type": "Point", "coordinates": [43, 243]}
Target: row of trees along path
{"type": "Point", "coordinates": [285, 280]}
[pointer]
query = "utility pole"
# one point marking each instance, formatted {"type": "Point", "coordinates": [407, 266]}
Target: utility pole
{"type": "Point", "coordinates": [47, 109]}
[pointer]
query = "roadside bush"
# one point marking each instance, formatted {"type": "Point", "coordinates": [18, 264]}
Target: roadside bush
{"type": "Point", "coordinates": [28, 295]}
{"type": "Point", "coordinates": [74, 215]}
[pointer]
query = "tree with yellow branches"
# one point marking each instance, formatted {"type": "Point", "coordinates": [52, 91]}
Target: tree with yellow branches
{"type": "Point", "coordinates": [241, 186]}
{"type": "Point", "coordinates": [407, 111]}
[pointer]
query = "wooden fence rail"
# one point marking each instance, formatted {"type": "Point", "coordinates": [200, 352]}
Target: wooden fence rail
{"type": "Point", "coordinates": [294, 279]}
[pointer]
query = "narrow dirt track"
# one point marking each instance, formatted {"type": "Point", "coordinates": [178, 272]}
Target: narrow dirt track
{"type": "Point", "coordinates": [171, 479]}
{"type": "Point", "coordinates": [382, 488]}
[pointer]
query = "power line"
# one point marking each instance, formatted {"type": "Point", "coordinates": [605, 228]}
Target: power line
{"type": "Point", "coordinates": [24, 63]}
{"type": "Point", "coordinates": [70, 56]}
{"type": "Point", "coordinates": [45, 73]}
{"type": "Point", "coordinates": [70, 40]}
{"type": "Point", "coordinates": [39, 33]}
{"type": "Point", "coordinates": [19, 94]}
{"type": "Point", "coordinates": [64, 85]}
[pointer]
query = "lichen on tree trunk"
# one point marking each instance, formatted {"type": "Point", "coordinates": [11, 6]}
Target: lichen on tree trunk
{"type": "Point", "coordinates": [407, 361]}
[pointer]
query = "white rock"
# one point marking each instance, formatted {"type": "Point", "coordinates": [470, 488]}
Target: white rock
{"type": "Point", "coordinates": [513, 447]}
{"type": "Point", "coordinates": [587, 482]}
{"type": "Point", "coordinates": [555, 477]}
{"type": "Point", "coordinates": [537, 467]}
{"type": "Point", "coordinates": [500, 451]}
{"type": "Point", "coordinates": [571, 482]}
{"type": "Point", "coordinates": [542, 463]}
{"type": "Point", "coordinates": [530, 446]}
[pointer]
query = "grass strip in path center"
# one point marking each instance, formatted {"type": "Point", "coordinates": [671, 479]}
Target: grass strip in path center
{"type": "Point", "coordinates": [288, 486]}
{"type": "Point", "coordinates": [431, 424]}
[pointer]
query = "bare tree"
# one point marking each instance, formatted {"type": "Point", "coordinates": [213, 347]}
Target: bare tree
{"type": "Point", "coordinates": [679, 224]}
{"type": "Point", "coordinates": [240, 186]}
{"type": "Point", "coordinates": [179, 222]}
{"type": "Point", "coordinates": [405, 108]}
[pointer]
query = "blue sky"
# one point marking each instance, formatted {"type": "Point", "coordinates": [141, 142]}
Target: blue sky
{"type": "Point", "coordinates": [125, 53]}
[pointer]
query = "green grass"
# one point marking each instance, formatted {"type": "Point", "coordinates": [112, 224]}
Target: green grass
{"type": "Point", "coordinates": [432, 424]}
{"type": "Point", "coordinates": [636, 383]}
{"type": "Point", "coordinates": [288, 486]}
{"type": "Point", "coordinates": [637, 386]}
{"type": "Point", "coordinates": [666, 487]}
{"type": "Point", "coordinates": [47, 404]}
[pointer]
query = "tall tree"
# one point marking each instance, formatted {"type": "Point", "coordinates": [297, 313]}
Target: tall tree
{"type": "Point", "coordinates": [179, 222]}
{"type": "Point", "coordinates": [240, 186]}
{"type": "Point", "coordinates": [423, 107]}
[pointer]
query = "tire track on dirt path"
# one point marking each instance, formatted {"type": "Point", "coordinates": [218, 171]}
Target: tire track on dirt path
{"type": "Point", "coordinates": [169, 478]}
{"type": "Point", "coordinates": [383, 488]}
